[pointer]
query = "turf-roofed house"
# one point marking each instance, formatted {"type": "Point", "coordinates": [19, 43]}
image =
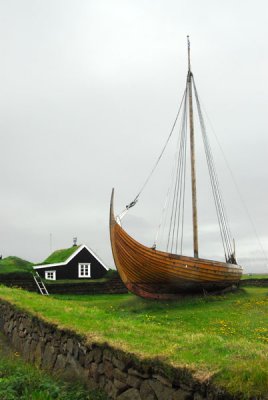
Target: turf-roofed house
{"type": "Point", "coordinates": [76, 262]}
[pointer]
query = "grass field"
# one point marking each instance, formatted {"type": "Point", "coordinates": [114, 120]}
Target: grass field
{"type": "Point", "coordinates": [21, 381]}
{"type": "Point", "coordinates": [225, 337]}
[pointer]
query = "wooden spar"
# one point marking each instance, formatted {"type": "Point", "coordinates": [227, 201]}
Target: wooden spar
{"type": "Point", "coordinates": [192, 146]}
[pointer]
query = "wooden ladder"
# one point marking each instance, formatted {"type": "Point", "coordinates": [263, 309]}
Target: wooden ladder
{"type": "Point", "coordinates": [40, 284]}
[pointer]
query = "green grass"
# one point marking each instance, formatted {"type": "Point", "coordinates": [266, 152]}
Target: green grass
{"type": "Point", "coordinates": [21, 381]}
{"type": "Point", "coordinates": [225, 337]}
{"type": "Point", "coordinates": [255, 276]}
{"type": "Point", "coordinates": [10, 265]}
{"type": "Point", "coordinates": [59, 255]}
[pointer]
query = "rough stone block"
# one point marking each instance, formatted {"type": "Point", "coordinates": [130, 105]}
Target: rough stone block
{"type": "Point", "coordinates": [26, 350]}
{"type": "Point", "coordinates": [55, 342]}
{"type": "Point", "coordinates": [49, 357]}
{"type": "Point", "coordinates": [134, 381]}
{"type": "Point", "coordinates": [130, 394]}
{"type": "Point", "coordinates": [10, 326]}
{"type": "Point", "coordinates": [198, 396]}
{"type": "Point", "coordinates": [118, 363]}
{"type": "Point", "coordinates": [60, 363]}
{"type": "Point", "coordinates": [82, 348]}
{"type": "Point", "coordinates": [39, 352]}
{"type": "Point", "coordinates": [111, 390]}
{"type": "Point", "coordinates": [108, 369]}
{"type": "Point", "coordinates": [81, 358]}
{"type": "Point", "coordinates": [16, 340]}
{"type": "Point", "coordinates": [75, 350]}
{"type": "Point", "coordinates": [146, 392]}
{"type": "Point", "coordinates": [32, 350]}
{"type": "Point", "coordinates": [143, 375]}
{"type": "Point", "coordinates": [121, 386]}
{"type": "Point", "coordinates": [5, 327]}
{"type": "Point", "coordinates": [22, 334]}
{"type": "Point", "coordinates": [162, 392]}
{"type": "Point", "coordinates": [102, 381]}
{"type": "Point", "coordinates": [97, 355]}
{"type": "Point", "coordinates": [93, 371]}
{"type": "Point", "coordinates": [101, 368]}
{"type": "Point", "coordinates": [120, 375]}
{"type": "Point", "coordinates": [163, 380]}
{"type": "Point", "coordinates": [88, 359]}
{"type": "Point", "coordinates": [35, 336]}
{"type": "Point", "coordinates": [186, 387]}
{"type": "Point", "coordinates": [181, 395]}
{"type": "Point", "coordinates": [69, 346]}
{"type": "Point", "coordinates": [107, 355]}
{"type": "Point", "coordinates": [73, 369]}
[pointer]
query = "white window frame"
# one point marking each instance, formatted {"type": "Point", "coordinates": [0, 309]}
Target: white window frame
{"type": "Point", "coordinates": [82, 270]}
{"type": "Point", "coordinates": [53, 278]}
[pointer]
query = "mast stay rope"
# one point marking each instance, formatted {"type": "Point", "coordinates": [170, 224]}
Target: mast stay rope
{"type": "Point", "coordinates": [218, 199]}
{"type": "Point", "coordinates": [133, 203]}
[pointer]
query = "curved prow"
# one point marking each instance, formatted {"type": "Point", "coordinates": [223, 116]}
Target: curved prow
{"type": "Point", "coordinates": [112, 217]}
{"type": "Point", "coordinates": [113, 227]}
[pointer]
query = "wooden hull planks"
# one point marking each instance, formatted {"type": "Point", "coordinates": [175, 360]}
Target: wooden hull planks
{"type": "Point", "coordinates": [159, 275]}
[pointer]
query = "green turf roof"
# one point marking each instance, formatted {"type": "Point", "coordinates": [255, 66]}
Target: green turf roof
{"type": "Point", "coordinates": [59, 256]}
{"type": "Point", "coordinates": [14, 264]}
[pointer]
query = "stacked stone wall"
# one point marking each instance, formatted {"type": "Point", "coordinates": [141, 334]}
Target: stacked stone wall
{"type": "Point", "coordinates": [121, 375]}
{"type": "Point", "coordinates": [254, 282]}
{"type": "Point", "coordinates": [26, 282]}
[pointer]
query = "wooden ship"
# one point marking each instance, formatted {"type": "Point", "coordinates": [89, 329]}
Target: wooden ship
{"type": "Point", "coordinates": [155, 274]}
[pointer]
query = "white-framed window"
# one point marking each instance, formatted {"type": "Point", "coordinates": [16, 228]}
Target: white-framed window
{"type": "Point", "coordinates": [51, 275]}
{"type": "Point", "coordinates": [84, 270]}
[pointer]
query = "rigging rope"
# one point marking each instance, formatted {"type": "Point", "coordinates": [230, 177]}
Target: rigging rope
{"type": "Point", "coordinates": [176, 223]}
{"type": "Point", "coordinates": [132, 203]}
{"type": "Point", "coordinates": [220, 210]}
{"type": "Point", "coordinates": [179, 186]}
{"type": "Point", "coordinates": [265, 256]}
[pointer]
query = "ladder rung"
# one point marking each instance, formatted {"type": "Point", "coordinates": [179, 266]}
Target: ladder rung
{"type": "Point", "coordinates": [40, 284]}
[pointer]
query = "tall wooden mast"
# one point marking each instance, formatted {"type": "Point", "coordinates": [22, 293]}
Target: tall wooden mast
{"type": "Point", "coordinates": [192, 145]}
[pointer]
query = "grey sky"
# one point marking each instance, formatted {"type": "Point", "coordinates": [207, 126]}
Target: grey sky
{"type": "Point", "coordinates": [89, 91]}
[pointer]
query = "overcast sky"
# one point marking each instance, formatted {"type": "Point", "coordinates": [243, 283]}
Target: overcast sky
{"type": "Point", "coordinates": [89, 91]}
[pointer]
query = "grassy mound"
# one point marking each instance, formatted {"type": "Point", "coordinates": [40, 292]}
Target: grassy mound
{"type": "Point", "coordinates": [11, 265]}
{"type": "Point", "coordinates": [224, 337]}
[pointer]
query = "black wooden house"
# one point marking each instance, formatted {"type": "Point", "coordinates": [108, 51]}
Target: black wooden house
{"type": "Point", "coordinates": [77, 262]}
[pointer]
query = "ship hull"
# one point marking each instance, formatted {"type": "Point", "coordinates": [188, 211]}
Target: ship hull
{"type": "Point", "coordinates": [156, 274]}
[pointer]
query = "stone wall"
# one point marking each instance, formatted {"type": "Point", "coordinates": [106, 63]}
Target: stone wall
{"type": "Point", "coordinates": [26, 282]}
{"type": "Point", "coordinates": [111, 286]}
{"type": "Point", "coordinates": [254, 282]}
{"type": "Point", "coordinates": [121, 375]}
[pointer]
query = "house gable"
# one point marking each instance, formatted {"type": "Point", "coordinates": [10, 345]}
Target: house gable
{"type": "Point", "coordinates": [70, 268]}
